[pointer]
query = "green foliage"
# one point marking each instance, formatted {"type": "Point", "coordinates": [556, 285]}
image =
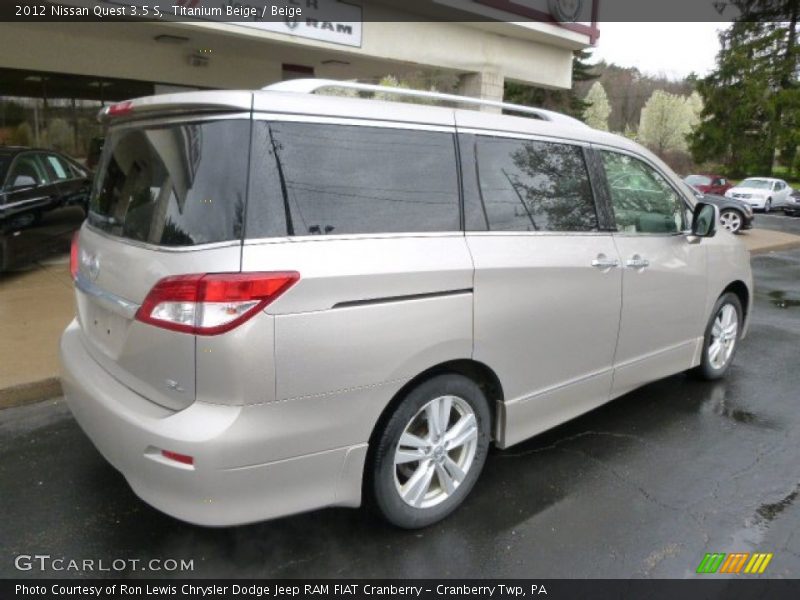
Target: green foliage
{"type": "Point", "coordinates": [666, 121]}
{"type": "Point", "coordinates": [598, 108]}
{"type": "Point", "coordinates": [59, 136]}
{"type": "Point", "coordinates": [565, 101]}
{"type": "Point", "coordinates": [23, 135]}
{"type": "Point", "coordinates": [11, 113]}
{"type": "Point", "coordinates": [752, 98]}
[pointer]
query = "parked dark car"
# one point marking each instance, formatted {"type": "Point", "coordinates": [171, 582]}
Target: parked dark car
{"type": "Point", "coordinates": [792, 206]}
{"type": "Point", "coordinates": [709, 184]}
{"type": "Point", "coordinates": [734, 215]}
{"type": "Point", "coordinates": [43, 199]}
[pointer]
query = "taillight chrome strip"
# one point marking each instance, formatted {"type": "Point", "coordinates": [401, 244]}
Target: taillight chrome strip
{"type": "Point", "coordinates": [115, 303]}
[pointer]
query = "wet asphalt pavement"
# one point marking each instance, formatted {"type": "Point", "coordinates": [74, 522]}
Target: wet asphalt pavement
{"type": "Point", "coordinates": [642, 487]}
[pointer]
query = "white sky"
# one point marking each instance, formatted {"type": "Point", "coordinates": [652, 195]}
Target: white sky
{"type": "Point", "coordinates": [671, 49]}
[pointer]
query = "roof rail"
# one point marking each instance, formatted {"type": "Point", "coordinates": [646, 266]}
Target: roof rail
{"type": "Point", "coordinates": [310, 86]}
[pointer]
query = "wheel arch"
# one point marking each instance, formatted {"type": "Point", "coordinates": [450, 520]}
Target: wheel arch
{"type": "Point", "coordinates": [740, 289]}
{"type": "Point", "coordinates": [475, 370]}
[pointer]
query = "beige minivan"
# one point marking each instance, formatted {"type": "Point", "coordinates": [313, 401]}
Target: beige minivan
{"type": "Point", "coordinates": [289, 299]}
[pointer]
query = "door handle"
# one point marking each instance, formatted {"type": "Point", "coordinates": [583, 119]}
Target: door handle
{"type": "Point", "coordinates": [637, 262]}
{"type": "Point", "coordinates": [603, 262]}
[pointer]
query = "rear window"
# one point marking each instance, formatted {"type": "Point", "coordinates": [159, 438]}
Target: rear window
{"type": "Point", "coordinates": [173, 185]}
{"type": "Point", "coordinates": [319, 179]}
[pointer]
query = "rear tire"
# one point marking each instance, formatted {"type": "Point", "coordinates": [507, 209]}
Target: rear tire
{"type": "Point", "coordinates": [721, 338]}
{"type": "Point", "coordinates": [430, 451]}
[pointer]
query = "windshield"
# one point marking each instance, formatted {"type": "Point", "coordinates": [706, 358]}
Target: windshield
{"type": "Point", "coordinates": [173, 185]}
{"type": "Point", "coordinates": [698, 180]}
{"type": "Point", "coordinates": [756, 184]}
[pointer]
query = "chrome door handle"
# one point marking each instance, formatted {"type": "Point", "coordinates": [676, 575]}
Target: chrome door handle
{"type": "Point", "coordinates": [637, 262]}
{"type": "Point", "coordinates": [603, 262]}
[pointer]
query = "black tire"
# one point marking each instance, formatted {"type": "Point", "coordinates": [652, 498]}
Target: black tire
{"type": "Point", "coordinates": [707, 370]}
{"type": "Point", "coordinates": [382, 477]}
{"type": "Point", "coordinates": [768, 205]}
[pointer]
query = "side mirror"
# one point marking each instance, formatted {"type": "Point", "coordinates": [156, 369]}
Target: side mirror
{"type": "Point", "coordinates": [704, 220]}
{"type": "Point", "coordinates": [23, 181]}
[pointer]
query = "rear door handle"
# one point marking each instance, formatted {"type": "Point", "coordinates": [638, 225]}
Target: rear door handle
{"type": "Point", "coordinates": [603, 262]}
{"type": "Point", "coordinates": [637, 262]}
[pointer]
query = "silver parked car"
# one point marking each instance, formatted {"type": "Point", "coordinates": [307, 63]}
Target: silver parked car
{"type": "Point", "coordinates": [288, 300]}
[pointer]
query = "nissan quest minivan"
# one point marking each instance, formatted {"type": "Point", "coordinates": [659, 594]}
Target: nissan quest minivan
{"type": "Point", "coordinates": [288, 299]}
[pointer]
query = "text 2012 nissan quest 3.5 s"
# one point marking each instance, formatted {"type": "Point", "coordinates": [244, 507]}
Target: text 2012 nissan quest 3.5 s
{"type": "Point", "coordinates": [289, 300]}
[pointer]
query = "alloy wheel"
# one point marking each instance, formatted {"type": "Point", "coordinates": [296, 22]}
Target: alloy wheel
{"type": "Point", "coordinates": [731, 221]}
{"type": "Point", "coordinates": [435, 452]}
{"type": "Point", "coordinates": [724, 334]}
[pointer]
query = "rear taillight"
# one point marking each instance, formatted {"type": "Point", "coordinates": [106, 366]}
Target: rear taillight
{"type": "Point", "coordinates": [120, 108]}
{"type": "Point", "coordinates": [211, 303]}
{"type": "Point", "coordinates": [73, 254]}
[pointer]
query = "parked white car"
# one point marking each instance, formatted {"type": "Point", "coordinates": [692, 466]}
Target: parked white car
{"type": "Point", "coordinates": [763, 193]}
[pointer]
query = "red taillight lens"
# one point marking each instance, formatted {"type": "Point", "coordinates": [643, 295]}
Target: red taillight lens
{"type": "Point", "coordinates": [121, 108]}
{"type": "Point", "coordinates": [73, 254]}
{"type": "Point", "coordinates": [181, 458]}
{"type": "Point", "coordinates": [211, 303]}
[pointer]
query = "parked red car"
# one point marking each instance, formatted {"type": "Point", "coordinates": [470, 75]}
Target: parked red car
{"type": "Point", "coordinates": [709, 184]}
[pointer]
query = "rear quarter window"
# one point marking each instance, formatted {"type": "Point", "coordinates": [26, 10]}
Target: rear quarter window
{"type": "Point", "coordinates": [323, 179]}
{"type": "Point", "coordinates": [173, 185]}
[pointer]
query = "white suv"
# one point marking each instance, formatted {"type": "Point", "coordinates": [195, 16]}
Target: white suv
{"type": "Point", "coordinates": [288, 300]}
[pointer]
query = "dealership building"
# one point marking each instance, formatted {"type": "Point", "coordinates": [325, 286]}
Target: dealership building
{"type": "Point", "coordinates": [65, 71]}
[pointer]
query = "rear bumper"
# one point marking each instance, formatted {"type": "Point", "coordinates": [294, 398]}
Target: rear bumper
{"type": "Point", "coordinates": [231, 481]}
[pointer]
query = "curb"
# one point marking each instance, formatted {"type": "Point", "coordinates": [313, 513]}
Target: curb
{"type": "Point", "coordinates": [30, 393]}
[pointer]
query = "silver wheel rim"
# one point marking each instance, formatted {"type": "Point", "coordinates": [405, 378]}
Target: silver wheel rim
{"type": "Point", "coordinates": [730, 221]}
{"type": "Point", "coordinates": [724, 332]}
{"type": "Point", "coordinates": [435, 452]}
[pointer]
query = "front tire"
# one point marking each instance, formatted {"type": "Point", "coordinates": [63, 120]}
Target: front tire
{"type": "Point", "coordinates": [731, 220]}
{"type": "Point", "coordinates": [430, 451]}
{"type": "Point", "coordinates": [721, 337]}
{"type": "Point", "coordinates": [768, 206]}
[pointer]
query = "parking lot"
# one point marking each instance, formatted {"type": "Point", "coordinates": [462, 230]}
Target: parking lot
{"type": "Point", "coordinates": [642, 487]}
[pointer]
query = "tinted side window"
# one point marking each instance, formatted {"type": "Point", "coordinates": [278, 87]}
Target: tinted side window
{"type": "Point", "coordinates": [528, 185]}
{"type": "Point", "coordinates": [317, 179]}
{"type": "Point", "coordinates": [59, 168]}
{"type": "Point", "coordinates": [642, 199]}
{"type": "Point", "coordinates": [26, 167]}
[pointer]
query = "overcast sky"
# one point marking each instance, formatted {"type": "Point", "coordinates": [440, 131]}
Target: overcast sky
{"type": "Point", "coordinates": [672, 49]}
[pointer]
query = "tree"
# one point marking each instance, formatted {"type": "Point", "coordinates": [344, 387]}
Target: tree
{"type": "Point", "coordinates": [666, 121]}
{"type": "Point", "coordinates": [752, 98]}
{"type": "Point", "coordinates": [565, 101]}
{"type": "Point", "coordinates": [597, 107]}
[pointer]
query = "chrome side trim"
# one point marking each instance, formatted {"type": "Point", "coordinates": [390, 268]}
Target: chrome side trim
{"type": "Point", "coordinates": [109, 300]}
{"type": "Point", "coordinates": [559, 138]}
{"type": "Point", "coordinates": [406, 298]}
{"type": "Point", "coordinates": [21, 202]}
{"type": "Point", "coordinates": [350, 236]}
{"type": "Point", "coordinates": [346, 120]}
{"type": "Point", "coordinates": [156, 248]}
